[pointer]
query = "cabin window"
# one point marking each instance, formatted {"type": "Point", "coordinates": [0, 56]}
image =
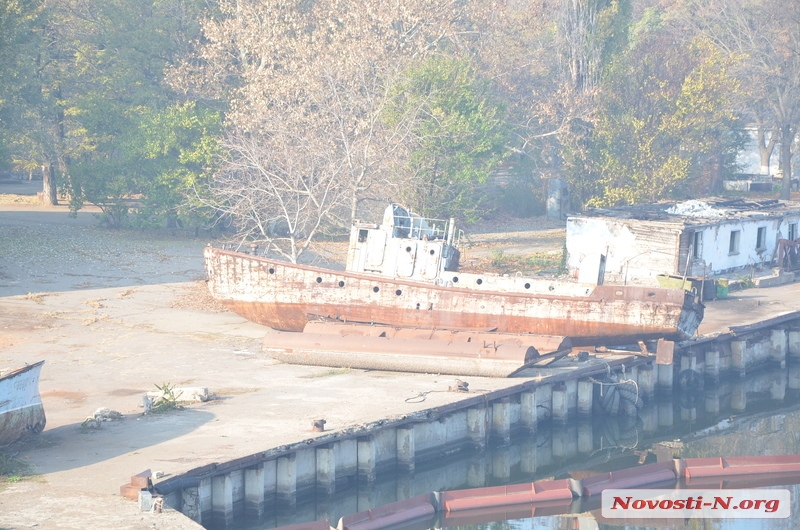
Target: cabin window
{"type": "Point", "coordinates": [761, 238]}
{"type": "Point", "coordinates": [362, 235]}
{"type": "Point", "coordinates": [792, 231]}
{"type": "Point", "coordinates": [697, 245]}
{"type": "Point", "coordinates": [733, 247]}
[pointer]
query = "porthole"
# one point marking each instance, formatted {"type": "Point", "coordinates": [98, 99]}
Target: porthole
{"type": "Point", "coordinates": [319, 280]}
{"type": "Point", "coordinates": [479, 281]}
{"type": "Point", "coordinates": [341, 283]}
{"type": "Point", "coordinates": [433, 252]}
{"type": "Point", "coordinates": [527, 286]}
{"type": "Point", "coordinates": [271, 270]}
{"type": "Point", "coordinates": [376, 289]}
{"type": "Point", "coordinates": [651, 293]}
{"type": "Point", "coordinates": [455, 279]}
{"type": "Point", "coordinates": [408, 249]}
{"type": "Point", "coordinates": [398, 292]}
{"type": "Point", "coordinates": [551, 288]}
{"type": "Point", "coordinates": [417, 306]}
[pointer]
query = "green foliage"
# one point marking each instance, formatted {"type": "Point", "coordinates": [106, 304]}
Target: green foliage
{"type": "Point", "coordinates": [459, 135]}
{"type": "Point", "coordinates": [662, 122]}
{"type": "Point", "coordinates": [168, 400]}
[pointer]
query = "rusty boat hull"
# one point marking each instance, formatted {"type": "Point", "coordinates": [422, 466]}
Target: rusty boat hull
{"type": "Point", "coordinates": [286, 296]}
{"type": "Point", "coordinates": [21, 409]}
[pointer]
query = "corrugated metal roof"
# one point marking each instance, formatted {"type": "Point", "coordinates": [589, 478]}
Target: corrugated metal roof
{"type": "Point", "coordinates": [700, 211]}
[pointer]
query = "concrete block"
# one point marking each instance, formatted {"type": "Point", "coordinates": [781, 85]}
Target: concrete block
{"type": "Point", "coordinates": [222, 499]}
{"type": "Point", "coordinates": [145, 500]}
{"type": "Point", "coordinates": [528, 413]}
{"type": "Point", "coordinates": [739, 357]}
{"type": "Point", "coordinates": [585, 397]}
{"type": "Point", "coordinates": [665, 377]}
{"type": "Point", "coordinates": [190, 504]}
{"type": "Point", "coordinates": [794, 344]}
{"type": "Point", "coordinates": [326, 470]}
{"type": "Point", "coordinates": [477, 418]}
{"type": "Point", "coordinates": [646, 381]}
{"type": "Point", "coordinates": [560, 404]}
{"type": "Point", "coordinates": [366, 458]}
{"type": "Point", "coordinates": [779, 340]}
{"type": "Point", "coordinates": [406, 449]}
{"type": "Point", "coordinates": [286, 493]}
{"type": "Point", "coordinates": [254, 501]}
{"type": "Point", "coordinates": [501, 421]}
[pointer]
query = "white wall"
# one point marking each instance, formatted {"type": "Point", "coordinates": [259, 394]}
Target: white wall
{"type": "Point", "coordinates": [636, 252]}
{"type": "Point", "coordinates": [716, 244]}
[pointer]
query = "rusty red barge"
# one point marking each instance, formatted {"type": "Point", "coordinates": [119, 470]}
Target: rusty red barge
{"type": "Point", "coordinates": [404, 272]}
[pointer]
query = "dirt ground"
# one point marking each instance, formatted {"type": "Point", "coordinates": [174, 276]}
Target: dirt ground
{"type": "Point", "coordinates": [114, 313]}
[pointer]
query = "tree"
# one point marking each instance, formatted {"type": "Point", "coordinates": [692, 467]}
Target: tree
{"type": "Point", "coordinates": [314, 75]}
{"type": "Point", "coordinates": [276, 187]}
{"type": "Point", "coordinates": [459, 135]}
{"type": "Point", "coordinates": [664, 116]}
{"type": "Point", "coordinates": [765, 35]}
{"type": "Point", "coordinates": [97, 67]}
{"type": "Point", "coordinates": [18, 43]}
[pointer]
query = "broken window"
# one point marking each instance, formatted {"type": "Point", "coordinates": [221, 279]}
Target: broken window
{"type": "Point", "coordinates": [761, 238]}
{"type": "Point", "coordinates": [792, 231]}
{"type": "Point", "coordinates": [733, 247]}
{"type": "Point", "coordinates": [697, 245]}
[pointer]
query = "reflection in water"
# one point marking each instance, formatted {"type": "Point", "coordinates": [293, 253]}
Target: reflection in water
{"type": "Point", "coordinates": [753, 416]}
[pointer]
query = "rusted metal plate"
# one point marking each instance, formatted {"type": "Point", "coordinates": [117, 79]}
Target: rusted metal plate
{"type": "Point", "coordinates": [542, 343]}
{"type": "Point", "coordinates": [282, 296]}
{"type": "Point", "coordinates": [398, 354]}
{"type": "Point", "coordinates": [665, 351]}
{"type": "Point", "coordinates": [21, 409]}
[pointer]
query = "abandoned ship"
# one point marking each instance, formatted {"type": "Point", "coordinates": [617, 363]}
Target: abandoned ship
{"type": "Point", "coordinates": [403, 272]}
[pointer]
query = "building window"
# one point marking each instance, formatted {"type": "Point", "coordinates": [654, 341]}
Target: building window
{"type": "Point", "coordinates": [733, 248]}
{"type": "Point", "coordinates": [697, 245]}
{"type": "Point", "coordinates": [761, 238]}
{"type": "Point", "coordinates": [792, 231]}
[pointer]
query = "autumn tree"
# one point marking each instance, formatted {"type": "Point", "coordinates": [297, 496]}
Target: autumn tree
{"type": "Point", "coordinates": [313, 76]}
{"type": "Point", "coordinates": [664, 115]}
{"type": "Point", "coordinates": [765, 35]}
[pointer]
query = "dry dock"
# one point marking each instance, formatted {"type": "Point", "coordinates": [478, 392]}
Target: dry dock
{"type": "Point", "coordinates": [107, 344]}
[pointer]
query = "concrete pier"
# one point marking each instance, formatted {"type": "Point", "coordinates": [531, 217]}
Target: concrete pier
{"type": "Point", "coordinates": [254, 481]}
{"type": "Point", "coordinates": [477, 418]}
{"type": "Point", "coordinates": [367, 458]}
{"type": "Point", "coordinates": [285, 494]}
{"type": "Point", "coordinates": [501, 421]}
{"type": "Point", "coordinates": [585, 398]}
{"type": "Point", "coordinates": [528, 413]}
{"type": "Point", "coordinates": [560, 404]}
{"type": "Point", "coordinates": [222, 499]}
{"type": "Point", "coordinates": [646, 381]}
{"type": "Point", "coordinates": [406, 453]}
{"type": "Point", "coordinates": [326, 470]}
{"type": "Point", "coordinates": [665, 378]}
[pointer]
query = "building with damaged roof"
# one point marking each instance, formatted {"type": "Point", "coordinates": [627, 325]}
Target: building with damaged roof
{"type": "Point", "coordinates": [699, 238]}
